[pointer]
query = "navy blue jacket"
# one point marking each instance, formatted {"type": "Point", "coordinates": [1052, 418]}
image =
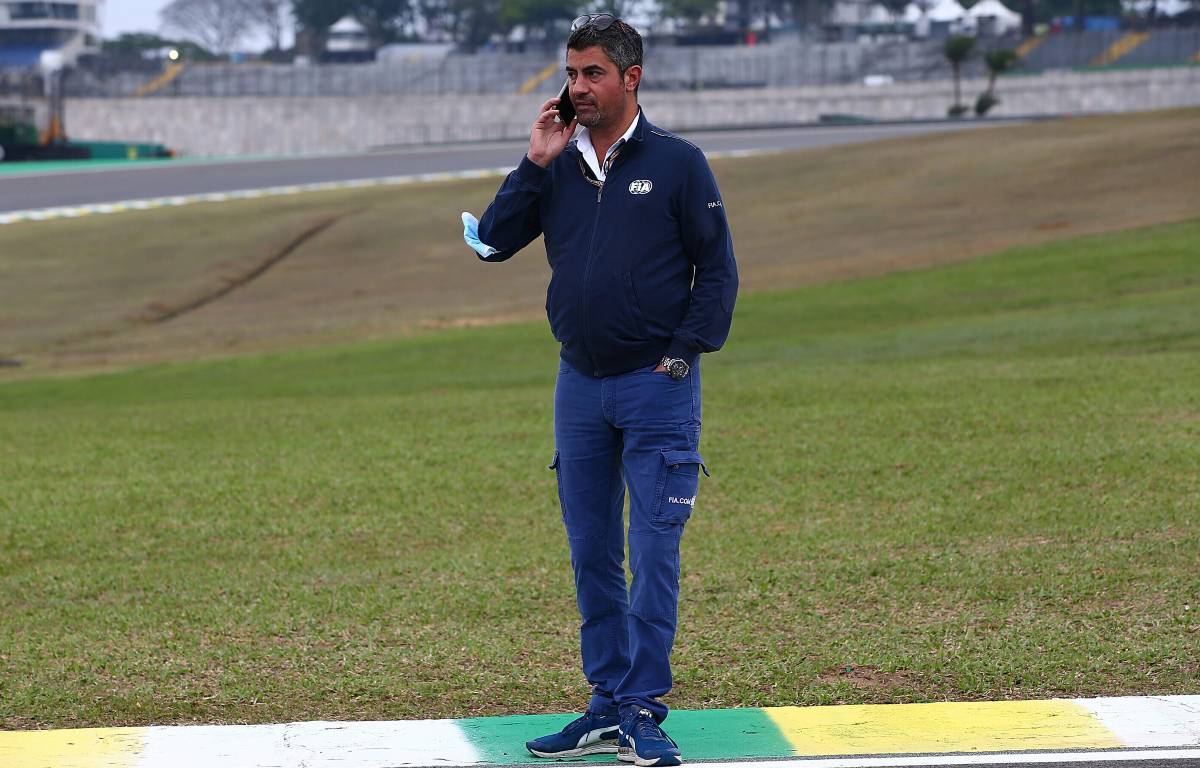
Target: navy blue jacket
{"type": "Point", "coordinates": [642, 265]}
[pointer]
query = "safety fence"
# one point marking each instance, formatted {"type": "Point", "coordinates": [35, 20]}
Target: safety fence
{"type": "Point", "coordinates": [674, 68]}
{"type": "Point", "coordinates": [780, 64]}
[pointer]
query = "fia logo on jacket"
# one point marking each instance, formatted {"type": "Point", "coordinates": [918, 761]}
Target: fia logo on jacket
{"type": "Point", "coordinates": [640, 187]}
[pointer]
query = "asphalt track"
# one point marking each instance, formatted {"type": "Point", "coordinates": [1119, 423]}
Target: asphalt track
{"type": "Point", "coordinates": [35, 189]}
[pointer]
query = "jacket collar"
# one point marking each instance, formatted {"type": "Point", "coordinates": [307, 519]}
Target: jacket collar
{"type": "Point", "coordinates": [639, 132]}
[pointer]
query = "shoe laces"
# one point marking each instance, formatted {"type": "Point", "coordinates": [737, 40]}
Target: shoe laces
{"type": "Point", "coordinates": [579, 720]}
{"type": "Point", "coordinates": [644, 725]}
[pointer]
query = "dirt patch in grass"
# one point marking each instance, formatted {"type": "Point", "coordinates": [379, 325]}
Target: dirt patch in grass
{"type": "Point", "coordinates": [865, 677]}
{"type": "Point", "coordinates": [160, 312]}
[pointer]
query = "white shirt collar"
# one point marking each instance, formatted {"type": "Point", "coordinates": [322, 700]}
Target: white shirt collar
{"type": "Point", "coordinates": [584, 142]}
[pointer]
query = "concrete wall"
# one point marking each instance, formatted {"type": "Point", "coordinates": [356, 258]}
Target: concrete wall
{"type": "Point", "coordinates": [261, 126]}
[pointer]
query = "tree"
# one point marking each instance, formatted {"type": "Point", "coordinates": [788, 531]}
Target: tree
{"type": "Point", "coordinates": [137, 43]}
{"type": "Point", "coordinates": [382, 18]}
{"type": "Point", "coordinates": [1049, 9]}
{"type": "Point", "coordinates": [469, 23]}
{"type": "Point", "coordinates": [267, 15]}
{"type": "Point", "coordinates": [957, 50]}
{"type": "Point", "coordinates": [807, 14]}
{"type": "Point", "coordinates": [476, 21]}
{"type": "Point", "coordinates": [215, 24]}
{"type": "Point", "coordinates": [998, 61]}
{"type": "Point", "coordinates": [436, 14]}
{"type": "Point", "coordinates": [534, 13]}
{"type": "Point", "coordinates": [1028, 17]}
{"type": "Point", "coordinates": [745, 15]}
{"type": "Point", "coordinates": [618, 8]}
{"type": "Point", "coordinates": [895, 8]}
{"type": "Point", "coordinates": [313, 20]}
{"type": "Point", "coordinates": [689, 10]}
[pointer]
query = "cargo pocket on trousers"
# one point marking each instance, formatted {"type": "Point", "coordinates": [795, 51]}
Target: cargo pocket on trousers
{"type": "Point", "coordinates": [555, 465]}
{"type": "Point", "coordinates": [678, 480]}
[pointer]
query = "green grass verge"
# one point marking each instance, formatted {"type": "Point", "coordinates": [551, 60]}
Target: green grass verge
{"type": "Point", "coordinates": [972, 482]}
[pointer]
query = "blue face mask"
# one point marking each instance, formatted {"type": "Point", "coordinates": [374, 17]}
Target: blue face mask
{"type": "Point", "coordinates": [471, 236]}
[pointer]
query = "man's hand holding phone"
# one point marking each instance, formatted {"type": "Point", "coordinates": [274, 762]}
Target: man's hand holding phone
{"type": "Point", "coordinates": [549, 137]}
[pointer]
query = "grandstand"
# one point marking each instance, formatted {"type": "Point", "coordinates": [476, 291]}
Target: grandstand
{"type": "Point", "coordinates": [1165, 46]}
{"type": "Point", "coordinates": [1095, 48]}
{"type": "Point", "coordinates": [1070, 50]}
{"type": "Point", "coordinates": [29, 27]}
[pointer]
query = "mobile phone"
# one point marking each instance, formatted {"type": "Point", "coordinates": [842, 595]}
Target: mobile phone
{"type": "Point", "coordinates": [566, 110]}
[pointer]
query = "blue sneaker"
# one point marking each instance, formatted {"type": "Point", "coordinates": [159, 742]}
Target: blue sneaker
{"type": "Point", "coordinates": [587, 735]}
{"type": "Point", "coordinates": [642, 742]}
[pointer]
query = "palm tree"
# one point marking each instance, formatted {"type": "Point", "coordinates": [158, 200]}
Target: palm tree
{"type": "Point", "coordinates": [957, 49]}
{"type": "Point", "coordinates": [998, 61]}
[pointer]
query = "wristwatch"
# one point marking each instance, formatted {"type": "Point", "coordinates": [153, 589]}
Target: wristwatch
{"type": "Point", "coordinates": [677, 367]}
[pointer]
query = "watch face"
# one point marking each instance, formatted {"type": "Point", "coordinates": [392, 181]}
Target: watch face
{"type": "Point", "coordinates": [677, 369]}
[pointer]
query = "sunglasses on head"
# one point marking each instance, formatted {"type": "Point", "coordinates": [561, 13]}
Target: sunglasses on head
{"type": "Point", "coordinates": [597, 21]}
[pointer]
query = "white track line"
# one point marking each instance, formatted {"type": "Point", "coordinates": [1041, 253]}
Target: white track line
{"type": "Point", "coordinates": [76, 211]}
{"type": "Point", "coordinates": [309, 745]}
{"type": "Point", "coordinates": [1019, 758]}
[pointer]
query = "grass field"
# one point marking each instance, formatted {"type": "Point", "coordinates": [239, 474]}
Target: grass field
{"type": "Point", "coordinates": [92, 293]}
{"type": "Point", "coordinates": [971, 482]}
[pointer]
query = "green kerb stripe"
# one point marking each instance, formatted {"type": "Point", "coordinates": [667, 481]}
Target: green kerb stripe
{"type": "Point", "coordinates": [719, 734]}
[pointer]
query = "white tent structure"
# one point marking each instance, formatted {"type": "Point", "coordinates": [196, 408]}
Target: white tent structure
{"type": "Point", "coordinates": [878, 15]}
{"type": "Point", "coordinates": [1162, 8]}
{"type": "Point", "coordinates": [347, 35]}
{"type": "Point", "coordinates": [946, 11]}
{"type": "Point", "coordinates": [993, 16]}
{"type": "Point", "coordinates": [940, 16]}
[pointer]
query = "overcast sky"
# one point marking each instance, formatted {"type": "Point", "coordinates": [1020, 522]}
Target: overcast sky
{"type": "Point", "coordinates": [120, 16]}
{"type": "Point", "coordinates": [131, 16]}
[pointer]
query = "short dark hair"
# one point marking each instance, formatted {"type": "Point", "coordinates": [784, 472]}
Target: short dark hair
{"type": "Point", "coordinates": [620, 42]}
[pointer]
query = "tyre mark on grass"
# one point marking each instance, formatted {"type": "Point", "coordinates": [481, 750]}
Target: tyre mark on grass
{"type": "Point", "coordinates": [161, 314]}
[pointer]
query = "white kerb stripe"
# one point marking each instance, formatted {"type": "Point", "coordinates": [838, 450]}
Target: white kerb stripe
{"type": "Point", "coordinates": [369, 744]}
{"type": "Point", "coordinates": [1149, 721]}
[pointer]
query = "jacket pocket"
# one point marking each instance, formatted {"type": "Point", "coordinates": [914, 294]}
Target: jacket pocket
{"type": "Point", "coordinates": [678, 481]}
{"type": "Point", "coordinates": [635, 307]}
{"type": "Point", "coordinates": [556, 310]}
{"type": "Point", "coordinates": [555, 465]}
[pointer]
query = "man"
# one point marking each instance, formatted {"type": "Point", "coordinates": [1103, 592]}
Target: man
{"type": "Point", "coordinates": [643, 281]}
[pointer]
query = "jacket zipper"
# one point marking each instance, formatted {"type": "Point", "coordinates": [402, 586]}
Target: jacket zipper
{"type": "Point", "coordinates": [587, 265]}
{"type": "Point", "coordinates": [587, 276]}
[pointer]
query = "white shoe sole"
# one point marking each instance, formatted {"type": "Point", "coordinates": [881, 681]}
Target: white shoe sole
{"type": "Point", "coordinates": [627, 755]}
{"type": "Point", "coordinates": [608, 746]}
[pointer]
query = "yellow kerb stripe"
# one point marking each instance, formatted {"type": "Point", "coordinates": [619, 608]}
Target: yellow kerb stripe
{"type": "Point", "coordinates": [1027, 47]}
{"type": "Point", "coordinates": [941, 727]}
{"type": "Point", "coordinates": [78, 748]}
{"type": "Point", "coordinates": [529, 85]}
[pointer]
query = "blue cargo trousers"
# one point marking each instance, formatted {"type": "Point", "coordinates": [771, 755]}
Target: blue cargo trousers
{"type": "Point", "coordinates": [639, 430]}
